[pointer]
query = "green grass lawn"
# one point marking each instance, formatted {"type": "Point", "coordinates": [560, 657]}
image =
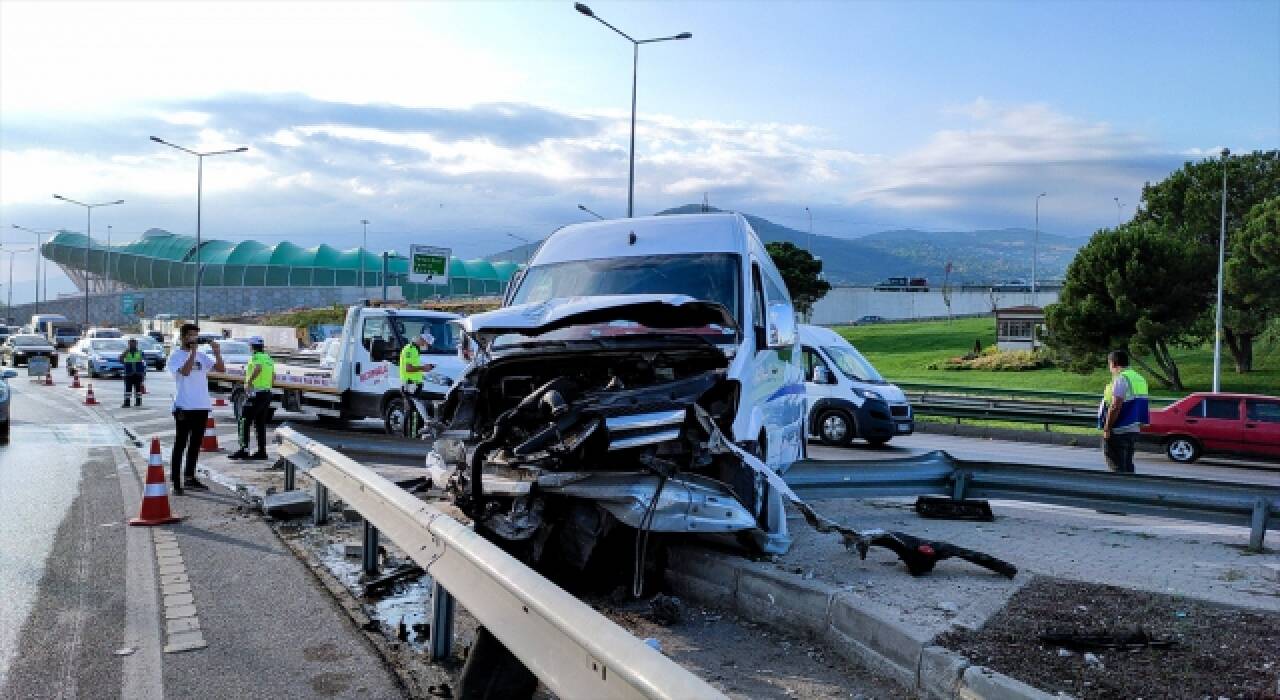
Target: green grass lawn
{"type": "Point", "coordinates": [903, 352]}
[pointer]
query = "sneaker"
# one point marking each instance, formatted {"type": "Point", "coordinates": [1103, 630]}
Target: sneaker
{"type": "Point", "coordinates": [260, 456]}
{"type": "Point", "coordinates": [240, 454]}
{"type": "Point", "coordinates": [194, 483]}
{"type": "Point", "coordinates": [125, 404]}
{"type": "Point", "coordinates": [137, 401]}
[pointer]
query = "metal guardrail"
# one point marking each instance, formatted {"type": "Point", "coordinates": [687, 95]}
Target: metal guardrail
{"type": "Point", "coordinates": [938, 473]}
{"type": "Point", "coordinates": [1038, 395]}
{"type": "Point", "coordinates": [979, 408]}
{"type": "Point", "coordinates": [574, 650]}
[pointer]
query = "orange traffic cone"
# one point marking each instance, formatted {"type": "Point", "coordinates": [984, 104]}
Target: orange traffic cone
{"type": "Point", "coordinates": [75, 381]}
{"type": "Point", "coordinates": [210, 442]}
{"type": "Point", "coordinates": [48, 379]}
{"type": "Point", "coordinates": [155, 501]}
{"type": "Point", "coordinates": [89, 399]}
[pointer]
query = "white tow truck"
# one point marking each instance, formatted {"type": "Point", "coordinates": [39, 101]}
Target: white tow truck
{"type": "Point", "coordinates": [363, 380]}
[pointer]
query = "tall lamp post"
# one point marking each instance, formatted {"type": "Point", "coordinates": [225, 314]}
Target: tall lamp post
{"type": "Point", "coordinates": [39, 261]}
{"type": "Point", "coordinates": [583, 208]}
{"type": "Point", "coordinates": [1119, 208]}
{"type": "Point", "coordinates": [364, 245]}
{"type": "Point", "coordinates": [635, 68]}
{"type": "Point", "coordinates": [8, 305]}
{"type": "Point", "coordinates": [806, 210]}
{"type": "Point", "coordinates": [1035, 248]}
{"type": "Point", "coordinates": [195, 303]}
{"type": "Point", "coordinates": [1222, 255]}
{"type": "Point", "coordinates": [88, 242]}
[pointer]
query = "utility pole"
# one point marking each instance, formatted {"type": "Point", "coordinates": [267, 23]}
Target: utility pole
{"type": "Point", "coordinates": [1222, 256]}
{"type": "Point", "coordinates": [1035, 249]}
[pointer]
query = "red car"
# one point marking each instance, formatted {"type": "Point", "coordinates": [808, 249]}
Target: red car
{"type": "Point", "coordinates": [1246, 424]}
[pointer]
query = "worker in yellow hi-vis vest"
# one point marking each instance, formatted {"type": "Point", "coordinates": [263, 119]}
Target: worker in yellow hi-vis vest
{"type": "Point", "coordinates": [1124, 410]}
{"type": "Point", "coordinates": [259, 375]}
{"type": "Point", "coordinates": [412, 372]}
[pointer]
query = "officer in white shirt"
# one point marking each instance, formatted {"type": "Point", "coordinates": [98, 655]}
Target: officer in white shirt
{"type": "Point", "coordinates": [191, 405]}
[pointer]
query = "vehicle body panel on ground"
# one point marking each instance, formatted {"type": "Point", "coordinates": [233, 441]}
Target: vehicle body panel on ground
{"type": "Point", "coordinates": [845, 395]}
{"type": "Point", "coordinates": [624, 352]}
{"type": "Point", "coordinates": [1203, 422]}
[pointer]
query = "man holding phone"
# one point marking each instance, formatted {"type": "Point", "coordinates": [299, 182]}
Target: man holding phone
{"type": "Point", "coordinates": [191, 405]}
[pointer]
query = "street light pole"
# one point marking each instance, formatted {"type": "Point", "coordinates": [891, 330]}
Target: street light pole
{"type": "Point", "coordinates": [107, 290]}
{"type": "Point", "coordinates": [1222, 255]}
{"type": "Point", "coordinates": [635, 71]}
{"type": "Point", "coordinates": [806, 210]}
{"type": "Point", "coordinates": [88, 242]}
{"type": "Point", "coordinates": [39, 261]}
{"type": "Point", "coordinates": [1119, 207]}
{"type": "Point", "coordinates": [8, 306]}
{"type": "Point", "coordinates": [364, 244]}
{"type": "Point", "coordinates": [1035, 248]}
{"type": "Point", "coordinates": [195, 297]}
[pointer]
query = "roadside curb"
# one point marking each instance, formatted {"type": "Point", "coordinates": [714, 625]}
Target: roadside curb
{"type": "Point", "coordinates": [858, 629]}
{"type": "Point", "coordinates": [1029, 435]}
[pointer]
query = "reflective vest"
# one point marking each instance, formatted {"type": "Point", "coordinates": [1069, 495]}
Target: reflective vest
{"type": "Point", "coordinates": [133, 362]}
{"type": "Point", "coordinates": [410, 356]}
{"type": "Point", "coordinates": [1135, 410]}
{"type": "Point", "coordinates": [266, 377]}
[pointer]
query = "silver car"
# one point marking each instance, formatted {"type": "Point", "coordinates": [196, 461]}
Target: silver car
{"type": "Point", "coordinates": [97, 356]}
{"type": "Point", "coordinates": [5, 393]}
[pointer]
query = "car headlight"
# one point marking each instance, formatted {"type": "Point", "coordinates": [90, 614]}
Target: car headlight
{"type": "Point", "coordinates": [437, 378]}
{"type": "Point", "coordinates": [869, 394]}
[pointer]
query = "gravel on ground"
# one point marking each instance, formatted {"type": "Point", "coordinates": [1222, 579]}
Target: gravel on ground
{"type": "Point", "coordinates": [1217, 651]}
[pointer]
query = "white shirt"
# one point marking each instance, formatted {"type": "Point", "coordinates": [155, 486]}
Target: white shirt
{"type": "Point", "coordinates": [193, 389]}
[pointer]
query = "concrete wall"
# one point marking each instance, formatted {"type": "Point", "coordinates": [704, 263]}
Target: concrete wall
{"type": "Point", "coordinates": [107, 310]}
{"type": "Point", "coordinates": [844, 304]}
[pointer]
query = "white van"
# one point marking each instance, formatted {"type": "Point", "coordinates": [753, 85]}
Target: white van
{"type": "Point", "coordinates": [624, 352]}
{"type": "Point", "coordinates": [846, 396]}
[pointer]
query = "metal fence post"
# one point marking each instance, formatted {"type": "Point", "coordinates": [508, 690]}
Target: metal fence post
{"type": "Point", "coordinates": [441, 622]}
{"type": "Point", "coordinates": [320, 508]}
{"type": "Point", "coordinates": [959, 485]}
{"type": "Point", "coordinates": [369, 549]}
{"type": "Point", "coordinates": [1258, 524]}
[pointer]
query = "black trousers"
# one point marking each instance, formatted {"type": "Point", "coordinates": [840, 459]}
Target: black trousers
{"type": "Point", "coordinates": [186, 443]}
{"type": "Point", "coordinates": [254, 416]}
{"type": "Point", "coordinates": [1118, 451]}
{"type": "Point", "coordinates": [133, 383]}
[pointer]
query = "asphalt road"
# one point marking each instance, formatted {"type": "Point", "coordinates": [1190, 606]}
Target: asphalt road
{"type": "Point", "coordinates": [80, 613]}
{"type": "Point", "coordinates": [1053, 455]}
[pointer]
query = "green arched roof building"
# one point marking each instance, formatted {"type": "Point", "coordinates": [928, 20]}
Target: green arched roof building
{"type": "Point", "coordinates": [160, 259]}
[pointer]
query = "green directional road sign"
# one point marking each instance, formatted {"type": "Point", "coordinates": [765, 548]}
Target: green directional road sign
{"type": "Point", "coordinates": [429, 264]}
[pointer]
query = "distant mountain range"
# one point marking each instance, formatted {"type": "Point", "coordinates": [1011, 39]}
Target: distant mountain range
{"type": "Point", "coordinates": [975, 256]}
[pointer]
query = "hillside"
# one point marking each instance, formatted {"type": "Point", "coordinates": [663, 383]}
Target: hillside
{"type": "Point", "coordinates": [977, 256]}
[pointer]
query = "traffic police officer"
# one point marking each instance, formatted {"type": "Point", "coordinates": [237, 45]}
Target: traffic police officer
{"type": "Point", "coordinates": [412, 372]}
{"type": "Point", "coordinates": [135, 371]}
{"type": "Point", "coordinates": [1124, 411]}
{"type": "Point", "coordinates": [259, 375]}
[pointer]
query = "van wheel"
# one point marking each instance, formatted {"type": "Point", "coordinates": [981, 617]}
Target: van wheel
{"type": "Point", "coordinates": [1182, 449]}
{"type": "Point", "coordinates": [393, 415]}
{"type": "Point", "coordinates": [835, 428]}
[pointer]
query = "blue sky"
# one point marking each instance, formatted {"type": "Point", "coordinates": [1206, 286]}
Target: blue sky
{"type": "Point", "coordinates": [457, 123]}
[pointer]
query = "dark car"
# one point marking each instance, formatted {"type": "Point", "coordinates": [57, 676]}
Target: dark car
{"type": "Point", "coordinates": [869, 319]}
{"type": "Point", "coordinates": [19, 349]}
{"type": "Point", "coordinates": [1242, 424]}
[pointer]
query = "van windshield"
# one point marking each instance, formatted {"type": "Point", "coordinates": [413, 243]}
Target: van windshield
{"type": "Point", "coordinates": [853, 364]}
{"type": "Point", "coordinates": [703, 276]}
